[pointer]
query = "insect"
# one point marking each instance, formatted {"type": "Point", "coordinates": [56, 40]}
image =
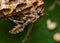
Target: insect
{"type": "Point", "coordinates": [21, 12]}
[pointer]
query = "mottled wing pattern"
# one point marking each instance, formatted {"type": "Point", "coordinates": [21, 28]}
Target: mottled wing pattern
{"type": "Point", "coordinates": [21, 12]}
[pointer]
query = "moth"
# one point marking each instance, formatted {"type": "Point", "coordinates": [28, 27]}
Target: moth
{"type": "Point", "coordinates": [21, 12]}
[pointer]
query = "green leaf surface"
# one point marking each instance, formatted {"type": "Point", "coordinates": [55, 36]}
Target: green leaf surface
{"type": "Point", "coordinates": [39, 34]}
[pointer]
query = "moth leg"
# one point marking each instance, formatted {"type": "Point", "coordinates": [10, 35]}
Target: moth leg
{"type": "Point", "coordinates": [28, 33]}
{"type": "Point", "coordinates": [17, 29]}
{"type": "Point", "coordinates": [15, 21]}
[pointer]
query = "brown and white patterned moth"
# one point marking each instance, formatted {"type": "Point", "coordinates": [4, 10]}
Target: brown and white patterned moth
{"type": "Point", "coordinates": [21, 12]}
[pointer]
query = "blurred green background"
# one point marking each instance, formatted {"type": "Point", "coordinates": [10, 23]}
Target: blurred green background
{"type": "Point", "coordinates": [39, 34]}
